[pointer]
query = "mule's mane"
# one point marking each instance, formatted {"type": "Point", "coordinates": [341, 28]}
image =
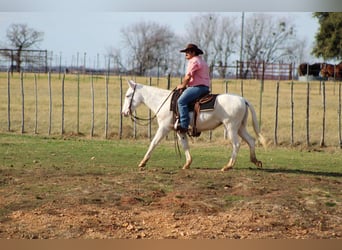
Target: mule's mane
{"type": "Point", "coordinates": [154, 97]}
{"type": "Point", "coordinates": [154, 89]}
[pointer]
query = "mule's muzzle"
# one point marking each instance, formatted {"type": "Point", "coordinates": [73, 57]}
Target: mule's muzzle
{"type": "Point", "coordinates": [125, 113]}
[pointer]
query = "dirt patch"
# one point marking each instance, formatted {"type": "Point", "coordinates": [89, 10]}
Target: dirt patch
{"type": "Point", "coordinates": [160, 204]}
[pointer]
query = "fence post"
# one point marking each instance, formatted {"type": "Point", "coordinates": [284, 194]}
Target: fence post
{"type": "Point", "coordinates": [62, 125]}
{"type": "Point", "coordinates": [36, 104]}
{"type": "Point", "coordinates": [261, 92]}
{"type": "Point", "coordinates": [322, 144]}
{"type": "Point", "coordinates": [241, 87]}
{"type": "Point", "coordinates": [106, 116]}
{"type": "Point", "coordinates": [92, 106]}
{"type": "Point", "coordinates": [8, 101]}
{"type": "Point", "coordinates": [22, 102]}
{"type": "Point", "coordinates": [276, 115]}
{"type": "Point", "coordinates": [308, 113]}
{"type": "Point", "coordinates": [225, 134]}
{"type": "Point", "coordinates": [135, 126]}
{"type": "Point", "coordinates": [292, 114]}
{"type": "Point", "coordinates": [149, 117]}
{"type": "Point", "coordinates": [339, 115]}
{"type": "Point", "coordinates": [78, 104]}
{"type": "Point", "coordinates": [121, 95]}
{"type": "Point", "coordinates": [50, 103]}
{"type": "Point", "coordinates": [168, 81]}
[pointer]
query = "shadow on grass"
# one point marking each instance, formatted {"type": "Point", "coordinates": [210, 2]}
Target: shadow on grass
{"type": "Point", "coordinates": [297, 171]}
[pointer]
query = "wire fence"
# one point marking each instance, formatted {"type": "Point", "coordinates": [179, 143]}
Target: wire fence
{"type": "Point", "coordinates": [289, 112]}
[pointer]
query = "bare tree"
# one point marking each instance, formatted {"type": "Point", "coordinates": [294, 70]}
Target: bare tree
{"type": "Point", "coordinates": [268, 39]}
{"type": "Point", "coordinates": [217, 36]}
{"type": "Point", "coordinates": [114, 56]}
{"type": "Point", "coordinates": [149, 43]}
{"type": "Point", "coordinates": [225, 43]}
{"type": "Point", "coordinates": [21, 37]}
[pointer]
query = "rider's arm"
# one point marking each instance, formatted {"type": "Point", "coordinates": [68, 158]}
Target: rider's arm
{"type": "Point", "coordinates": [185, 82]}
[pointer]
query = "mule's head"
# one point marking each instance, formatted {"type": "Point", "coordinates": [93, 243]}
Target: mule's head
{"type": "Point", "coordinates": [132, 99]}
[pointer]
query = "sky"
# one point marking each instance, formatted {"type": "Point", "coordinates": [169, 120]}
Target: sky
{"type": "Point", "coordinates": [74, 27]}
{"type": "Point", "coordinates": [94, 33]}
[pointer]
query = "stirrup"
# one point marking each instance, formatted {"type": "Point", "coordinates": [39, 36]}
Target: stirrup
{"type": "Point", "coordinates": [181, 129]}
{"type": "Point", "coordinates": [176, 124]}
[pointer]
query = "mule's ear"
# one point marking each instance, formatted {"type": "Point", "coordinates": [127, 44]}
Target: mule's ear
{"type": "Point", "coordinates": [131, 83]}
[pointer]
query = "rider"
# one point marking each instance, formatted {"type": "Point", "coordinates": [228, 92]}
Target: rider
{"type": "Point", "coordinates": [196, 83]}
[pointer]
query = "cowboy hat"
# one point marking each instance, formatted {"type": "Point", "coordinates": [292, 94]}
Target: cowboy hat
{"type": "Point", "coordinates": [192, 47]}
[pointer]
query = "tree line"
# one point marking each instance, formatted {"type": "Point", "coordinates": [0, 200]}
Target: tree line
{"type": "Point", "coordinates": [258, 37]}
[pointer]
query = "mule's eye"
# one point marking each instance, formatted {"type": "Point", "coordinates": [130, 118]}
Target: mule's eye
{"type": "Point", "coordinates": [129, 95]}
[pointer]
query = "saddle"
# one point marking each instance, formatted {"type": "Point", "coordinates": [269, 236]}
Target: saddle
{"type": "Point", "coordinates": [203, 103]}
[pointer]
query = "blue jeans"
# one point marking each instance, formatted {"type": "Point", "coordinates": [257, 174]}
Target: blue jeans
{"type": "Point", "coordinates": [189, 95]}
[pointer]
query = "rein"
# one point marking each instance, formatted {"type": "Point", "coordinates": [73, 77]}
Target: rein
{"type": "Point", "coordinates": [138, 119]}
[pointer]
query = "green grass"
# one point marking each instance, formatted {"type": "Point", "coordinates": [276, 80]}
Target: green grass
{"type": "Point", "coordinates": [47, 175]}
{"type": "Point", "coordinates": [74, 155]}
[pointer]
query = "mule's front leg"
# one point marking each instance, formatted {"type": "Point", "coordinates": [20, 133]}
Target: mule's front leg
{"type": "Point", "coordinates": [229, 166]}
{"type": "Point", "coordinates": [161, 133]}
{"type": "Point", "coordinates": [185, 144]}
{"type": "Point", "coordinates": [143, 162]}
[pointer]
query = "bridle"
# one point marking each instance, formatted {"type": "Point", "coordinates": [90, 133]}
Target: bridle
{"type": "Point", "coordinates": [138, 119]}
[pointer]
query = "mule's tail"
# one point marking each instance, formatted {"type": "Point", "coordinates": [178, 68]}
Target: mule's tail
{"type": "Point", "coordinates": [256, 128]}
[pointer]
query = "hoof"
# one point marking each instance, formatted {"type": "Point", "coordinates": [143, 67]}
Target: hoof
{"type": "Point", "coordinates": [186, 167]}
{"type": "Point", "coordinates": [142, 165]}
{"type": "Point", "coordinates": [258, 164]}
{"type": "Point", "coordinates": [226, 168]}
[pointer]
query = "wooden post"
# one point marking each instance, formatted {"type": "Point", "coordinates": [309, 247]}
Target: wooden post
{"type": "Point", "coordinates": [168, 87]}
{"type": "Point", "coordinates": [8, 101]}
{"type": "Point", "coordinates": [339, 115]}
{"type": "Point", "coordinates": [50, 103]}
{"type": "Point", "coordinates": [241, 87]}
{"type": "Point", "coordinates": [78, 104]}
{"type": "Point", "coordinates": [135, 126]}
{"type": "Point", "coordinates": [92, 106]}
{"type": "Point", "coordinates": [322, 144]}
{"type": "Point", "coordinates": [22, 102]}
{"type": "Point", "coordinates": [149, 132]}
{"type": "Point", "coordinates": [63, 98]}
{"type": "Point", "coordinates": [106, 118]}
{"type": "Point", "coordinates": [276, 115]}
{"type": "Point", "coordinates": [168, 81]}
{"type": "Point", "coordinates": [261, 92]}
{"type": "Point", "coordinates": [308, 113]}
{"type": "Point", "coordinates": [225, 135]}
{"type": "Point", "coordinates": [36, 104]}
{"type": "Point", "coordinates": [292, 115]}
{"type": "Point", "coordinates": [121, 97]}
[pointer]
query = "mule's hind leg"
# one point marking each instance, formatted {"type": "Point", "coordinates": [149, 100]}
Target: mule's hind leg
{"type": "Point", "coordinates": [251, 143]}
{"type": "Point", "coordinates": [236, 146]}
{"type": "Point", "coordinates": [185, 144]}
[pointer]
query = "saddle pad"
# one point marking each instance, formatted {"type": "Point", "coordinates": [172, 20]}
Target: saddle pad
{"type": "Point", "coordinates": [207, 102]}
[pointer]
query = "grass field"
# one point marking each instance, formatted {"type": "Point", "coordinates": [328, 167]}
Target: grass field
{"type": "Point", "coordinates": [59, 187]}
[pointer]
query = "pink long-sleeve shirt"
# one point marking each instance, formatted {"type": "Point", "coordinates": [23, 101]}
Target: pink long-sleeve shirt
{"type": "Point", "coordinates": [198, 71]}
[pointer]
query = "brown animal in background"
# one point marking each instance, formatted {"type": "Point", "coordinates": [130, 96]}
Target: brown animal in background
{"type": "Point", "coordinates": [314, 69]}
{"type": "Point", "coordinates": [331, 70]}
